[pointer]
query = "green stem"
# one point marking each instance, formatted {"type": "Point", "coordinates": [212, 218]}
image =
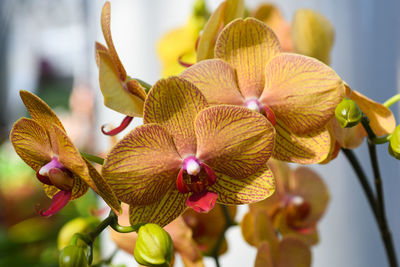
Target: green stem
{"type": "Point", "coordinates": [392, 100]}
{"type": "Point", "coordinates": [229, 222]}
{"type": "Point", "coordinates": [93, 158]}
{"type": "Point", "coordinates": [382, 222]}
{"type": "Point", "coordinates": [381, 140]}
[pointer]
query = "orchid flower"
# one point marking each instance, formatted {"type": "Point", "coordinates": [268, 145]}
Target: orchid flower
{"type": "Point", "coordinates": [190, 155]}
{"type": "Point", "coordinates": [298, 94]}
{"type": "Point", "coordinates": [300, 201]}
{"type": "Point", "coordinates": [121, 93]}
{"type": "Point", "coordinates": [181, 235]}
{"type": "Point", "coordinates": [44, 145]}
{"type": "Point", "coordinates": [207, 228]}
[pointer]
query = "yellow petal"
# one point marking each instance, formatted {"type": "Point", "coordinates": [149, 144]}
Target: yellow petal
{"type": "Point", "coordinates": [174, 104]}
{"type": "Point", "coordinates": [105, 26]}
{"type": "Point", "coordinates": [304, 149]}
{"type": "Point", "coordinates": [161, 212]}
{"type": "Point", "coordinates": [293, 253]}
{"type": "Point", "coordinates": [216, 80]}
{"type": "Point", "coordinates": [312, 34]}
{"type": "Point", "coordinates": [302, 91]}
{"type": "Point", "coordinates": [348, 137]}
{"type": "Point", "coordinates": [233, 140]}
{"type": "Point", "coordinates": [142, 165]}
{"type": "Point", "coordinates": [381, 118]}
{"type": "Point", "coordinates": [264, 256]}
{"type": "Point", "coordinates": [31, 143]}
{"type": "Point", "coordinates": [205, 48]}
{"type": "Point", "coordinates": [247, 190]}
{"type": "Point", "coordinates": [248, 45]}
{"type": "Point", "coordinates": [39, 110]}
{"type": "Point", "coordinates": [116, 93]}
{"type": "Point", "coordinates": [234, 9]}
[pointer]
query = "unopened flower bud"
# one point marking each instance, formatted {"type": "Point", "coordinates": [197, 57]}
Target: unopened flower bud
{"type": "Point", "coordinates": [77, 225]}
{"type": "Point", "coordinates": [394, 143]}
{"type": "Point", "coordinates": [348, 114]}
{"type": "Point", "coordinates": [153, 246]}
{"type": "Point", "coordinates": [72, 256]}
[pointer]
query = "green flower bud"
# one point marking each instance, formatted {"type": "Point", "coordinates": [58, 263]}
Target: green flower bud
{"type": "Point", "coordinates": [348, 114]}
{"type": "Point", "coordinates": [153, 246]}
{"type": "Point", "coordinates": [394, 143]}
{"type": "Point", "coordinates": [73, 256]}
{"type": "Point", "coordinates": [77, 225]}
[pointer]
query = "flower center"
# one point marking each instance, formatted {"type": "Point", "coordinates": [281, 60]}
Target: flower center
{"type": "Point", "coordinates": [297, 209]}
{"type": "Point", "coordinates": [256, 106]}
{"type": "Point", "coordinates": [54, 173]}
{"type": "Point", "coordinates": [195, 177]}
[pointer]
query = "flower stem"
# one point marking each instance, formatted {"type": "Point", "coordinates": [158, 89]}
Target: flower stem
{"type": "Point", "coordinates": [229, 222]}
{"type": "Point", "coordinates": [392, 100]}
{"type": "Point", "coordinates": [93, 158]}
{"type": "Point", "coordinates": [382, 222]}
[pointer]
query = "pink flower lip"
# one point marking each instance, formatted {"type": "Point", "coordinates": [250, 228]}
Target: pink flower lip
{"type": "Point", "coordinates": [54, 173]}
{"type": "Point", "coordinates": [202, 202]}
{"type": "Point", "coordinates": [57, 203]}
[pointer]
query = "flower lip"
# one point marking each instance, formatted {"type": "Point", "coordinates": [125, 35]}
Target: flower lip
{"type": "Point", "coordinates": [54, 173]}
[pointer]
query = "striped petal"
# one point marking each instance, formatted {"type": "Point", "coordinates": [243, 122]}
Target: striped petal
{"type": "Point", "coordinates": [293, 253]}
{"type": "Point", "coordinates": [79, 188]}
{"type": "Point", "coordinates": [118, 95]}
{"type": "Point", "coordinates": [142, 165]}
{"type": "Point", "coordinates": [174, 103]}
{"type": "Point", "coordinates": [302, 92]}
{"type": "Point", "coordinates": [305, 149]}
{"type": "Point", "coordinates": [106, 28]}
{"type": "Point", "coordinates": [161, 212]}
{"type": "Point", "coordinates": [248, 45]}
{"type": "Point", "coordinates": [233, 140]}
{"type": "Point", "coordinates": [216, 80]}
{"type": "Point", "coordinates": [31, 143]}
{"type": "Point", "coordinates": [247, 190]}
{"type": "Point", "coordinates": [264, 256]}
{"type": "Point", "coordinates": [39, 110]}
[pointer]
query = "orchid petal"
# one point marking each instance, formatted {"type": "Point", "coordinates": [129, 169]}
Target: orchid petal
{"type": "Point", "coordinates": [79, 188]}
{"type": "Point", "coordinates": [202, 202]}
{"type": "Point", "coordinates": [142, 165]}
{"type": "Point", "coordinates": [312, 34]}
{"type": "Point", "coordinates": [181, 101]}
{"type": "Point", "coordinates": [233, 140]}
{"type": "Point", "coordinates": [216, 80]}
{"type": "Point", "coordinates": [246, 190]}
{"type": "Point", "coordinates": [117, 95]}
{"type": "Point", "coordinates": [106, 28]}
{"type": "Point", "coordinates": [264, 256]}
{"type": "Point", "coordinates": [304, 149]}
{"type": "Point", "coordinates": [381, 119]}
{"type": "Point", "coordinates": [31, 143]}
{"type": "Point", "coordinates": [307, 184]}
{"type": "Point", "coordinates": [293, 253]}
{"type": "Point", "coordinates": [302, 92]}
{"type": "Point", "coordinates": [348, 137]}
{"type": "Point", "coordinates": [161, 212]}
{"type": "Point", "coordinates": [309, 236]}
{"type": "Point", "coordinates": [39, 110]}
{"type": "Point", "coordinates": [99, 47]}
{"type": "Point", "coordinates": [248, 45]}
{"type": "Point", "coordinates": [58, 202]}
{"type": "Point", "coordinates": [102, 188]}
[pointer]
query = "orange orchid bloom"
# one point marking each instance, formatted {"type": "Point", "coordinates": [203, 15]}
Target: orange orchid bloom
{"type": "Point", "coordinates": [299, 202]}
{"type": "Point", "coordinates": [121, 93]}
{"type": "Point", "coordinates": [207, 227]}
{"type": "Point", "coordinates": [298, 94]}
{"type": "Point", "coordinates": [190, 155]}
{"type": "Point", "coordinates": [44, 145]}
{"type": "Point", "coordinates": [180, 233]}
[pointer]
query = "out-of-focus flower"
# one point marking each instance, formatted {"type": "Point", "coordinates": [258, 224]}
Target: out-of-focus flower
{"type": "Point", "coordinates": [121, 93]}
{"type": "Point", "coordinates": [189, 155]}
{"type": "Point", "coordinates": [298, 94]}
{"type": "Point", "coordinates": [77, 225]}
{"type": "Point", "coordinates": [300, 201]}
{"type": "Point", "coordinates": [180, 43]}
{"type": "Point", "coordinates": [43, 144]}
{"type": "Point", "coordinates": [381, 119]}
{"type": "Point", "coordinates": [180, 233]}
{"type": "Point", "coordinates": [207, 227]}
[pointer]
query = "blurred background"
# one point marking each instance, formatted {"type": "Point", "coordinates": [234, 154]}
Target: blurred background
{"type": "Point", "coordinates": [47, 47]}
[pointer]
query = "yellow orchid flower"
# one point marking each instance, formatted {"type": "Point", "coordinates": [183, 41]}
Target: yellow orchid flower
{"type": "Point", "coordinates": [43, 144]}
{"type": "Point", "coordinates": [190, 155]}
{"type": "Point", "coordinates": [121, 93]}
{"type": "Point", "coordinates": [297, 93]}
{"type": "Point", "coordinates": [381, 119]}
